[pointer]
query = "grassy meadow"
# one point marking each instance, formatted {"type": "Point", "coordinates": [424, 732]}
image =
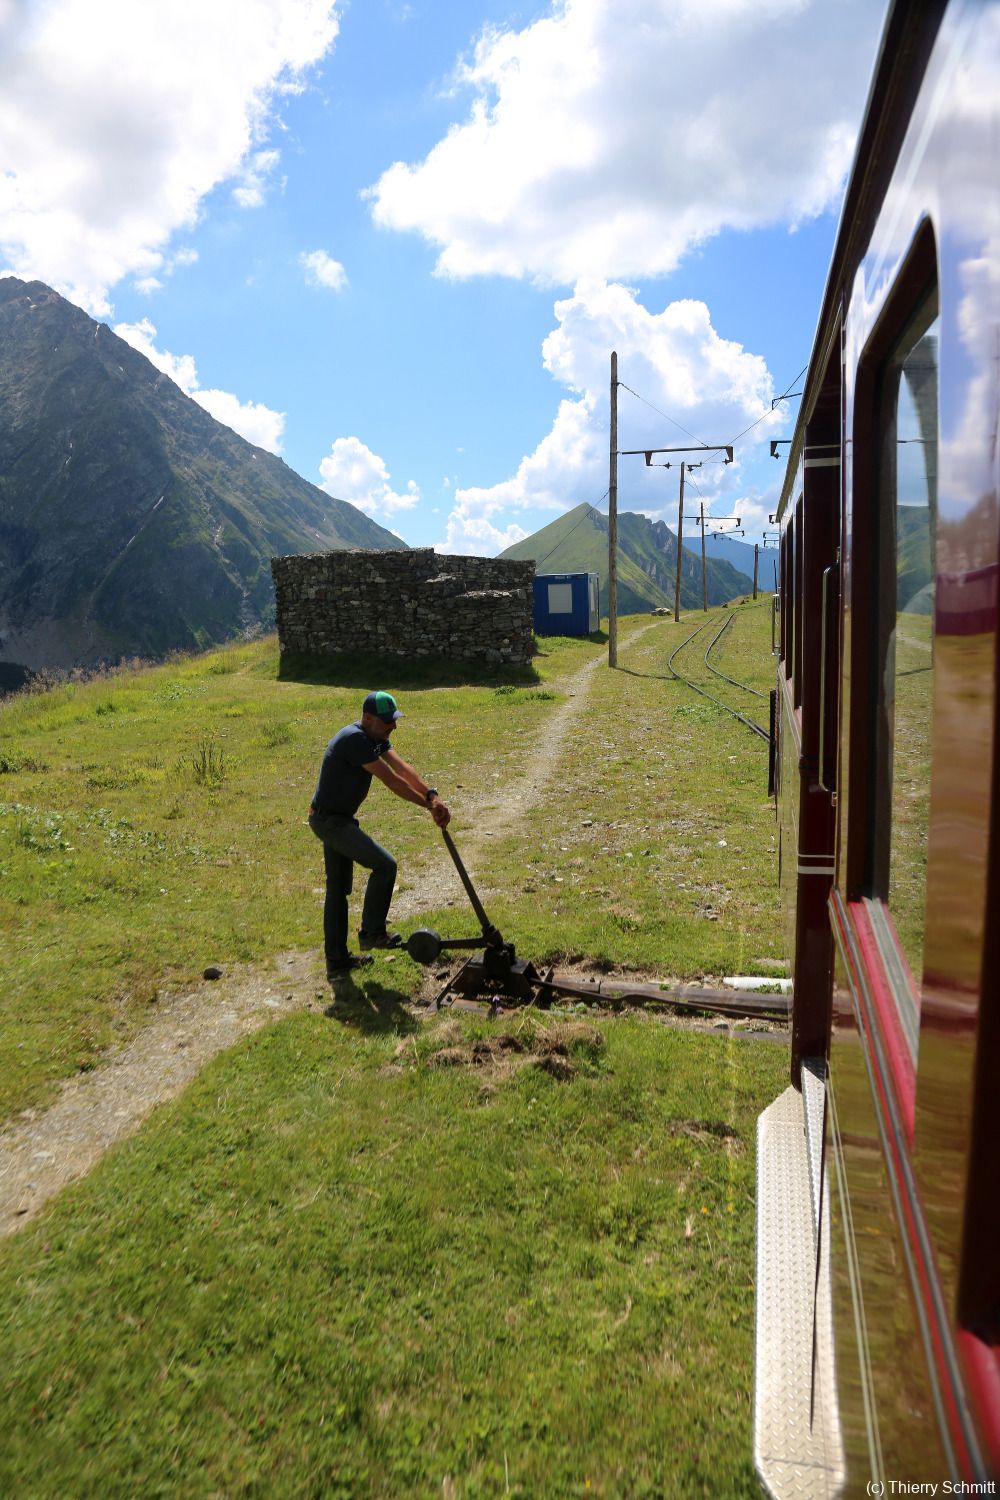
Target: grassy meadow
{"type": "Point", "coordinates": [153, 822]}
{"type": "Point", "coordinates": [363, 1259]}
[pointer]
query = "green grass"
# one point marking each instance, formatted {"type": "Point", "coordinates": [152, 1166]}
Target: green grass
{"type": "Point", "coordinates": [331, 1268]}
{"type": "Point", "coordinates": [911, 783]}
{"type": "Point", "coordinates": [656, 848]}
{"type": "Point", "coordinates": [326, 1272]}
{"type": "Point", "coordinates": [153, 822]}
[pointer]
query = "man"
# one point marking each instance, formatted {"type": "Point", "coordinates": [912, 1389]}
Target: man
{"type": "Point", "coordinates": [354, 755]}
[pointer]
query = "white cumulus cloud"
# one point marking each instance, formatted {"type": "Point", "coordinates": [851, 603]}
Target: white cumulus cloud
{"type": "Point", "coordinates": [351, 471]}
{"type": "Point", "coordinates": [322, 270]}
{"type": "Point", "coordinates": [116, 122]}
{"type": "Point", "coordinates": [696, 387]}
{"type": "Point", "coordinates": [258, 423]}
{"type": "Point", "coordinates": [254, 179]}
{"type": "Point", "coordinates": [185, 256]}
{"type": "Point", "coordinates": [609, 136]}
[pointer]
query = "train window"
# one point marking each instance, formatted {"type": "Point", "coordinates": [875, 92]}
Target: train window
{"type": "Point", "coordinates": [908, 515]}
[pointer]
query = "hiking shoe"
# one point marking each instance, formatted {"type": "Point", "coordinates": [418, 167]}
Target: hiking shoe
{"type": "Point", "coordinates": [337, 968]}
{"type": "Point", "coordinates": [379, 940]}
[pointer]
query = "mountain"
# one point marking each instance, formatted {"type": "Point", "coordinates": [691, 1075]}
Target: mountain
{"type": "Point", "coordinates": [740, 556]}
{"type": "Point", "coordinates": [131, 521]}
{"type": "Point", "coordinates": [647, 560]}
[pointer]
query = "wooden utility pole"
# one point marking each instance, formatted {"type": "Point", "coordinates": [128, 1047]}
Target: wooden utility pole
{"type": "Point", "coordinates": [756, 548]}
{"type": "Point", "coordinates": [680, 537]}
{"type": "Point", "coordinates": [613, 522]}
{"type": "Point", "coordinates": [704, 575]}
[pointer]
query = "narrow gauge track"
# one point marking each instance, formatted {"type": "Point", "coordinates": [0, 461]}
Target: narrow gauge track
{"type": "Point", "coordinates": [751, 724]}
{"type": "Point", "coordinates": [743, 686]}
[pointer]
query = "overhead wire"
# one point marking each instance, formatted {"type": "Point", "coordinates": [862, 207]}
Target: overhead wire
{"type": "Point", "coordinates": [694, 485]}
{"type": "Point", "coordinates": [672, 420]}
{"type": "Point", "coordinates": [785, 392]}
{"type": "Point", "coordinates": [570, 532]}
{"type": "Point", "coordinates": [688, 433]}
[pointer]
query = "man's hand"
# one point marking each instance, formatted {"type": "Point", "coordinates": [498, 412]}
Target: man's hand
{"type": "Point", "coordinates": [440, 813]}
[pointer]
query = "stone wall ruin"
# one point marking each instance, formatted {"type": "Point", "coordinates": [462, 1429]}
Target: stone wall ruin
{"type": "Point", "coordinates": [411, 603]}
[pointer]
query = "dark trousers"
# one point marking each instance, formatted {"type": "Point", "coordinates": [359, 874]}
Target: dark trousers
{"type": "Point", "coordinates": [344, 846]}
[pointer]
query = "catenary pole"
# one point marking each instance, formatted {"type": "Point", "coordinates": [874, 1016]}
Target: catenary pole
{"type": "Point", "coordinates": [647, 453]}
{"type": "Point", "coordinates": [756, 548]}
{"type": "Point", "coordinates": [704, 576]}
{"type": "Point", "coordinates": [680, 543]}
{"type": "Point", "coordinates": [613, 521]}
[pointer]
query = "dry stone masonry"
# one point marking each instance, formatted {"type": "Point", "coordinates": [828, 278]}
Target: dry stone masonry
{"type": "Point", "coordinates": [412, 603]}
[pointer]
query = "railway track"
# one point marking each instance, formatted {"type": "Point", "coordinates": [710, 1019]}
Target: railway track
{"type": "Point", "coordinates": [745, 719]}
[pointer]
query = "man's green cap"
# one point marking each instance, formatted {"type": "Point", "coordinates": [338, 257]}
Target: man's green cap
{"type": "Point", "coordinates": [383, 706]}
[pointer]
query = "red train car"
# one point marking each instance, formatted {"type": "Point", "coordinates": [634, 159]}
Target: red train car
{"type": "Point", "coordinates": [878, 1256]}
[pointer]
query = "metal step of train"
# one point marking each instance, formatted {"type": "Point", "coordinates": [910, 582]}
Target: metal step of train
{"type": "Point", "coordinates": [798, 1450]}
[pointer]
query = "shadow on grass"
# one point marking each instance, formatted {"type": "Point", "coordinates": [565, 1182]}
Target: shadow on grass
{"type": "Point", "coordinates": [361, 670]}
{"type": "Point", "coordinates": [655, 676]}
{"type": "Point", "coordinates": [371, 1008]}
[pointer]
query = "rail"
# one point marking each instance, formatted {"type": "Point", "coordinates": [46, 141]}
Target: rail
{"type": "Point", "coordinates": [743, 686]}
{"type": "Point", "coordinates": [751, 724]}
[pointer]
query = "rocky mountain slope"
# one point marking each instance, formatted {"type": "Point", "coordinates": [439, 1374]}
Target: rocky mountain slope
{"type": "Point", "coordinates": [131, 521]}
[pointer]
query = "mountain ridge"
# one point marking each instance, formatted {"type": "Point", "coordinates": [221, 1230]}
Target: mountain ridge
{"type": "Point", "coordinates": [131, 521]}
{"type": "Point", "coordinates": [739, 554]}
{"type": "Point", "coordinates": [647, 560]}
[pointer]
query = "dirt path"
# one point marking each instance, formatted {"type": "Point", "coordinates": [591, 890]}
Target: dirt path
{"type": "Point", "coordinates": [432, 881]}
{"type": "Point", "coordinates": [41, 1152]}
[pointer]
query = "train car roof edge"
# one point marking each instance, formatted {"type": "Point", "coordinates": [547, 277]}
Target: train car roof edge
{"type": "Point", "coordinates": [902, 56]}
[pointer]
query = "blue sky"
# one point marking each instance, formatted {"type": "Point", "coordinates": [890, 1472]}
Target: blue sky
{"type": "Point", "coordinates": [396, 242]}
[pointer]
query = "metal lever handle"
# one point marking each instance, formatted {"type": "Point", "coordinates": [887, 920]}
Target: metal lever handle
{"type": "Point", "coordinates": [490, 933]}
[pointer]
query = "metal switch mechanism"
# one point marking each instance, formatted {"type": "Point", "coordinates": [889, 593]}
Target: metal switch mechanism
{"type": "Point", "coordinates": [496, 971]}
{"type": "Point", "coordinates": [496, 975]}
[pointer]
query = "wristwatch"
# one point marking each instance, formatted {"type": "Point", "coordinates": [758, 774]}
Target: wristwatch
{"type": "Point", "coordinates": [431, 791]}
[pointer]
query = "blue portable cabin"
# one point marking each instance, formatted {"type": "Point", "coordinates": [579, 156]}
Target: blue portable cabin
{"type": "Point", "coordinates": [567, 603]}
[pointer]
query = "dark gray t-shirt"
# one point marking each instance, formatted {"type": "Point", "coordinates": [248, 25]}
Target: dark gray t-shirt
{"type": "Point", "coordinates": [343, 783]}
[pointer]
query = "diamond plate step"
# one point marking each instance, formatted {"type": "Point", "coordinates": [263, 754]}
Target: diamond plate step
{"type": "Point", "coordinates": [793, 1455]}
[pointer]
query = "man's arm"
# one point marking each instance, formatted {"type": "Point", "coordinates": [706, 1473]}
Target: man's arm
{"type": "Point", "coordinates": [401, 778]}
{"type": "Point", "coordinates": [405, 772]}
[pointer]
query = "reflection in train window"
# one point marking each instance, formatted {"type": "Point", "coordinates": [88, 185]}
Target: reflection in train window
{"type": "Point", "coordinates": [798, 606]}
{"type": "Point", "coordinates": [909, 516]}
